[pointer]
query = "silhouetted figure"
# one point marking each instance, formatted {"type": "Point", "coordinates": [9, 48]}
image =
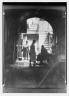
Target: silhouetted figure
{"type": "Point", "coordinates": [44, 53]}
{"type": "Point", "coordinates": [43, 56]}
{"type": "Point", "coordinates": [32, 53]}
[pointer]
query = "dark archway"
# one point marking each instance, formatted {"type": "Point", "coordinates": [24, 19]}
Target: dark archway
{"type": "Point", "coordinates": [15, 18]}
{"type": "Point", "coordinates": [16, 23]}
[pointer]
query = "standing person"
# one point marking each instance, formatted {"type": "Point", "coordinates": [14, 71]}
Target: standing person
{"type": "Point", "coordinates": [32, 53]}
{"type": "Point", "coordinates": [26, 50]}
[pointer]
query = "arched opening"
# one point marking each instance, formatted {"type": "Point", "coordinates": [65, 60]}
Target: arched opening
{"type": "Point", "coordinates": [37, 29]}
{"type": "Point", "coordinates": [44, 30]}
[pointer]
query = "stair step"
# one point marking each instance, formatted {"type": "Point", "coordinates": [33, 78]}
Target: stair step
{"type": "Point", "coordinates": [45, 43]}
{"type": "Point", "coordinates": [46, 46]}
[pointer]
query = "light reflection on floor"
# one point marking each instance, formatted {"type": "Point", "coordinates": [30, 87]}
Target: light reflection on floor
{"type": "Point", "coordinates": [22, 63]}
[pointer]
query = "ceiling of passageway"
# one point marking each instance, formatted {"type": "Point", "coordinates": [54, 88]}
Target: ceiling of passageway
{"type": "Point", "coordinates": [49, 10]}
{"type": "Point", "coordinates": [19, 14]}
{"type": "Point", "coordinates": [48, 13]}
